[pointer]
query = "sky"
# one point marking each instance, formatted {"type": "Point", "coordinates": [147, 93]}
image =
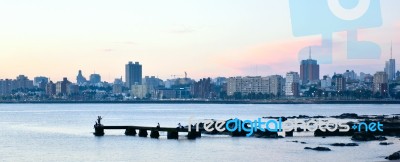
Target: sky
{"type": "Point", "coordinates": [206, 38]}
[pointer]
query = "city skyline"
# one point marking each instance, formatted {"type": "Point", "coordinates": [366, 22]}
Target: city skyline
{"type": "Point", "coordinates": [243, 38]}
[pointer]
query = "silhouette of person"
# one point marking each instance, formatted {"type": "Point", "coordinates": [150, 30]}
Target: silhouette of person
{"type": "Point", "coordinates": [99, 120]}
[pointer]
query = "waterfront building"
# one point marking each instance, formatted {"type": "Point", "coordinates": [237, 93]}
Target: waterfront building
{"type": "Point", "coordinates": [309, 71]}
{"type": "Point", "coordinates": [381, 82]}
{"type": "Point", "coordinates": [80, 79]}
{"type": "Point", "coordinates": [245, 85]}
{"type": "Point", "coordinates": [292, 84]}
{"type": "Point", "coordinates": [133, 74]}
{"type": "Point", "coordinates": [340, 82]}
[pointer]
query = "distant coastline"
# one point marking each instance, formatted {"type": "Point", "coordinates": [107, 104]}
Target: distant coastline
{"type": "Point", "coordinates": [211, 102]}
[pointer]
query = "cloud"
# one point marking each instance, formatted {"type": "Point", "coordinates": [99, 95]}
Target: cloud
{"type": "Point", "coordinates": [266, 58]}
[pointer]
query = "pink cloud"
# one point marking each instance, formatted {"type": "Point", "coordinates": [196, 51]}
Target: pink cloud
{"type": "Point", "coordinates": [266, 58]}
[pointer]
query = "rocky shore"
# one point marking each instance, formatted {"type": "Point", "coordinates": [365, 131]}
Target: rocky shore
{"type": "Point", "coordinates": [391, 128]}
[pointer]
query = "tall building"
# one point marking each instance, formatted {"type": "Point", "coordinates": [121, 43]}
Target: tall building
{"type": "Point", "coordinates": [350, 75]}
{"type": "Point", "coordinates": [50, 89]}
{"type": "Point", "coordinates": [245, 85]}
{"type": "Point", "coordinates": [390, 67]}
{"type": "Point", "coordinates": [61, 87]}
{"type": "Point", "coordinates": [6, 86]}
{"type": "Point", "coordinates": [309, 70]}
{"type": "Point", "coordinates": [340, 82]}
{"type": "Point", "coordinates": [276, 84]}
{"type": "Point", "coordinates": [95, 78]}
{"type": "Point", "coordinates": [40, 81]}
{"type": "Point", "coordinates": [292, 84]}
{"type": "Point", "coordinates": [326, 82]}
{"type": "Point", "coordinates": [117, 87]}
{"type": "Point", "coordinates": [80, 79]}
{"type": "Point", "coordinates": [152, 83]}
{"type": "Point", "coordinates": [380, 82]}
{"type": "Point", "coordinates": [133, 74]}
{"type": "Point", "coordinates": [22, 82]}
{"type": "Point", "coordinates": [202, 88]}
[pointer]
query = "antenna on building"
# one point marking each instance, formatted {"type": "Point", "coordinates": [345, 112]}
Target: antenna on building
{"type": "Point", "coordinates": [391, 49]}
{"type": "Point", "coordinates": [309, 57]}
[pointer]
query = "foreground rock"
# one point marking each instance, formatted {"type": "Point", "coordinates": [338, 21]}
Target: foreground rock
{"type": "Point", "coordinates": [318, 148]}
{"type": "Point", "coordinates": [344, 144]}
{"type": "Point", "coordinates": [298, 142]}
{"type": "Point", "coordinates": [394, 156]}
{"type": "Point", "coordinates": [267, 134]}
{"type": "Point", "coordinates": [386, 143]}
{"type": "Point", "coordinates": [363, 136]}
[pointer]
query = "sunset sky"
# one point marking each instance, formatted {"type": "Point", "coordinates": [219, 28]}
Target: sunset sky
{"type": "Point", "coordinates": [202, 37]}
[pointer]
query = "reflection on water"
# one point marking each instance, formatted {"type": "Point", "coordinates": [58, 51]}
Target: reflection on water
{"type": "Point", "coordinates": [63, 132]}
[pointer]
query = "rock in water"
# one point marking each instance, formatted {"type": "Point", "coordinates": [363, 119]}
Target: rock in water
{"type": "Point", "coordinates": [344, 144]}
{"type": "Point", "coordinates": [363, 136]}
{"type": "Point", "coordinates": [394, 156]}
{"type": "Point", "coordinates": [386, 143]}
{"type": "Point", "coordinates": [318, 148]}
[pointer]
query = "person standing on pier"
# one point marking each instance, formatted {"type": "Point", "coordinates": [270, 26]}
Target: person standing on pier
{"type": "Point", "coordinates": [99, 120]}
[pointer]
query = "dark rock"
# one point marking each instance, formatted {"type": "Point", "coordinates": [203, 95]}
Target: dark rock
{"type": "Point", "coordinates": [303, 116]}
{"type": "Point", "coordinates": [320, 133]}
{"type": "Point", "coordinates": [386, 143]}
{"type": "Point", "coordinates": [394, 156]}
{"type": "Point", "coordinates": [344, 144]}
{"type": "Point", "coordinates": [363, 136]}
{"type": "Point", "coordinates": [266, 134]}
{"type": "Point", "coordinates": [289, 134]}
{"type": "Point", "coordinates": [318, 148]}
{"type": "Point", "coordinates": [347, 116]}
{"type": "Point", "coordinates": [338, 144]}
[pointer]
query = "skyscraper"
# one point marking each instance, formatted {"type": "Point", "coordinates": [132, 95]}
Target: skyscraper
{"type": "Point", "coordinates": [80, 79]}
{"type": "Point", "coordinates": [292, 84]}
{"type": "Point", "coordinates": [309, 70]}
{"type": "Point", "coordinates": [61, 87]}
{"type": "Point", "coordinates": [381, 82]}
{"type": "Point", "coordinates": [133, 74]}
{"type": "Point", "coordinates": [340, 82]}
{"type": "Point", "coordinates": [390, 66]}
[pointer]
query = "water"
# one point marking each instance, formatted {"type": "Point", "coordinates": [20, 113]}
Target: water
{"type": "Point", "coordinates": [63, 132]}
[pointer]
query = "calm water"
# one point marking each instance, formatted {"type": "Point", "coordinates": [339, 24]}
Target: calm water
{"type": "Point", "coordinates": [63, 132]}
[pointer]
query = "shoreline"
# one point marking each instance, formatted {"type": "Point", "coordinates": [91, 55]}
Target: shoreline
{"type": "Point", "coordinates": [211, 102]}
